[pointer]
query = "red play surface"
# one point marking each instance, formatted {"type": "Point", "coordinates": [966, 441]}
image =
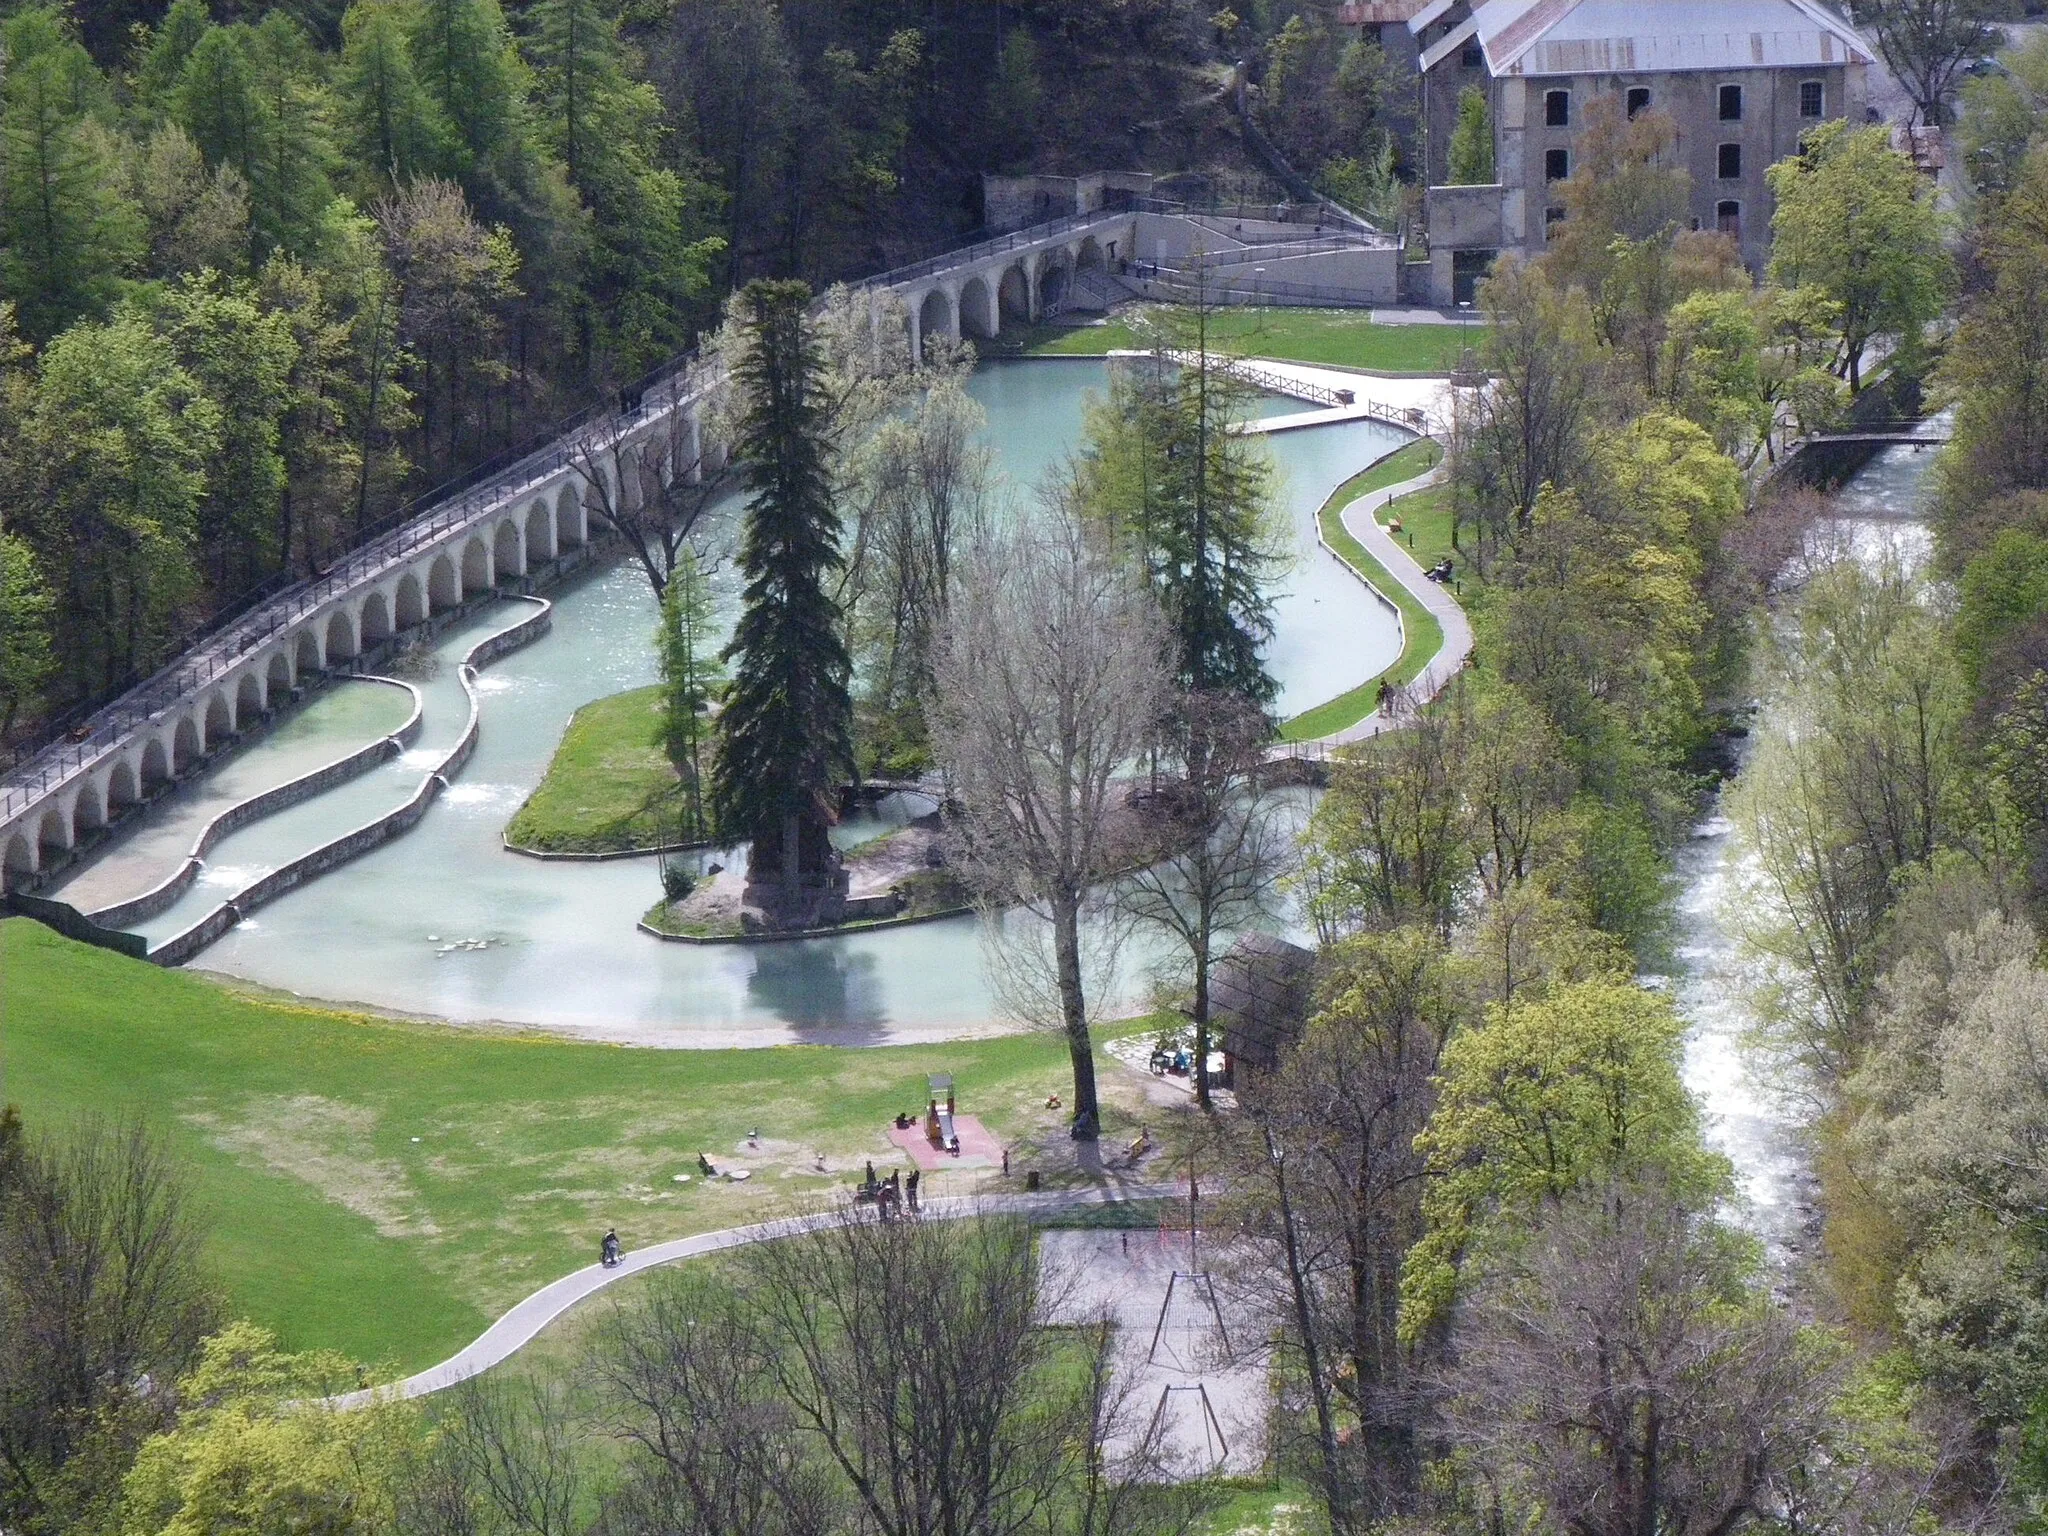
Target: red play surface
{"type": "Point", "coordinates": [978, 1148]}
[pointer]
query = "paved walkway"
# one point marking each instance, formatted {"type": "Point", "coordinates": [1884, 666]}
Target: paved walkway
{"type": "Point", "coordinates": [1360, 521]}
{"type": "Point", "coordinates": [518, 1327]}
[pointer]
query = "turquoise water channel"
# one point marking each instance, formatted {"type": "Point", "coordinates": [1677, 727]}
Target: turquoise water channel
{"type": "Point", "coordinates": [444, 921]}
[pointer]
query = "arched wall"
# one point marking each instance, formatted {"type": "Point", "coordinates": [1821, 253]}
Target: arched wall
{"type": "Point", "coordinates": [54, 835]}
{"type": "Point", "coordinates": [1013, 294]}
{"type": "Point", "coordinates": [19, 866]}
{"type": "Point", "coordinates": [476, 567]}
{"type": "Point", "coordinates": [411, 603]}
{"type": "Point", "coordinates": [309, 658]}
{"type": "Point", "coordinates": [156, 763]}
{"type": "Point", "coordinates": [121, 785]}
{"type": "Point", "coordinates": [278, 674]}
{"type": "Point", "coordinates": [1088, 256]}
{"type": "Point", "coordinates": [508, 556]}
{"type": "Point", "coordinates": [187, 746]}
{"type": "Point", "coordinates": [218, 722]}
{"type": "Point", "coordinates": [88, 811]}
{"type": "Point", "coordinates": [936, 317]}
{"type": "Point", "coordinates": [540, 532]}
{"type": "Point", "coordinates": [568, 519]}
{"type": "Point", "coordinates": [375, 622]}
{"type": "Point", "coordinates": [978, 316]}
{"type": "Point", "coordinates": [444, 590]}
{"type": "Point", "coordinates": [341, 636]}
{"type": "Point", "coordinates": [248, 700]}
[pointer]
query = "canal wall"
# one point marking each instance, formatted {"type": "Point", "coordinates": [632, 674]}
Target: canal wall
{"type": "Point", "coordinates": [242, 812]}
{"type": "Point", "coordinates": [181, 947]}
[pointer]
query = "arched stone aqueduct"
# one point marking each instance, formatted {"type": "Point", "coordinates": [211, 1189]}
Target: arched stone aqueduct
{"type": "Point", "coordinates": [1011, 280]}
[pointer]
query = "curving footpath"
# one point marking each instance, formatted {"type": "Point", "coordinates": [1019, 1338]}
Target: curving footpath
{"type": "Point", "coordinates": [1360, 522]}
{"type": "Point", "coordinates": [517, 1328]}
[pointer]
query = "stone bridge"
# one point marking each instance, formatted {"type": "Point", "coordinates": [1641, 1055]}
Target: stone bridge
{"type": "Point", "coordinates": [541, 510]}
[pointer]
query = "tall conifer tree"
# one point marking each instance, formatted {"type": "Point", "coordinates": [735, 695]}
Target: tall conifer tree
{"type": "Point", "coordinates": [785, 734]}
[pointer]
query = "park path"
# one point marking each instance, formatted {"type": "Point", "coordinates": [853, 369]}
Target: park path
{"type": "Point", "coordinates": [526, 1319]}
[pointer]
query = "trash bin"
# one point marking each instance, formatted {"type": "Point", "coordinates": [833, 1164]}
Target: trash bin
{"type": "Point", "coordinates": [1031, 1179]}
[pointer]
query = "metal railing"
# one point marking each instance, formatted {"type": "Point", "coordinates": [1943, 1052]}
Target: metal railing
{"type": "Point", "coordinates": [258, 617]}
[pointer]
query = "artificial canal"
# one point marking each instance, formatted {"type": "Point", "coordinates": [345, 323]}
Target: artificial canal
{"type": "Point", "coordinates": [553, 943]}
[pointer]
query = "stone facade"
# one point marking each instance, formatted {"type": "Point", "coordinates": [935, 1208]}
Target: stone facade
{"type": "Point", "coordinates": [1742, 80]}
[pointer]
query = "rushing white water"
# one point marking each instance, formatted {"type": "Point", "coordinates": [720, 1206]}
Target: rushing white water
{"type": "Point", "coordinates": [1753, 1121]}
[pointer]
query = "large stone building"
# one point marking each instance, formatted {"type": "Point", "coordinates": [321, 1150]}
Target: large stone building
{"type": "Point", "coordinates": [1742, 79]}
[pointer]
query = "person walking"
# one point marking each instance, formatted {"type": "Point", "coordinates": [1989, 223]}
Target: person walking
{"type": "Point", "coordinates": [910, 1187]}
{"type": "Point", "coordinates": [608, 1249]}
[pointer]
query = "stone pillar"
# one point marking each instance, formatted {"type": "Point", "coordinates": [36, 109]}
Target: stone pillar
{"type": "Point", "coordinates": [693, 446]}
{"type": "Point", "coordinates": [915, 305]}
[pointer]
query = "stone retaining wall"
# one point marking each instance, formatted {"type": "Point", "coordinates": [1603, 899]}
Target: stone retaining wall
{"type": "Point", "coordinates": [74, 924]}
{"type": "Point", "coordinates": [277, 798]}
{"type": "Point", "coordinates": [182, 947]}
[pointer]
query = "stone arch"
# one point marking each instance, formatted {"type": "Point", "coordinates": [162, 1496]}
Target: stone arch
{"type": "Point", "coordinates": [278, 674]}
{"type": "Point", "coordinates": [219, 721]}
{"type": "Point", "coordinates": [306, 651]}
{"type": "Point", "coordinates": [121, 786]}
{"type": "Point", "coordinates": [54, 836]}
{"type": "Point", "coordinates": [540, 532]}
{"type": "Point", "coordinates": [88, 811]}
{"type": "Point", "coordinates": [1088, 255]}
{"type": "Point", "coordinates": [1013, 294]}
{"type": "Point", "coordinates": [341, 636]}
{"type": "Point", "coordinates": [20, 866]}
{"type": "Point", "coordinates": [156, 765]}
{"type": "Point", "coordinates": [374, 622]}
{"type": "Point", "coordinates": [476, 567]}
{"type": "Point", "coordinates": [978, 316]}
{"type": "Point", "coordinates": [248, 699]}
{"type": "Point", "coordinates": [444, 590]}
{"type": "Point", "coordinates": [569, 527]}
{"type": "Point", "coordinates": [1053, 275]}
{"type": "Point", "coordinates": [187, 746]}
{"type": "Point", "coordinates": [411, 607]}
{"type": "Point", "coordinates": [508, 557]}
{"type": "Point", "coordinates": [936, 317]}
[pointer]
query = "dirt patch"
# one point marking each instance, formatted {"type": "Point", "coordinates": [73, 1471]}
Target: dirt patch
{"type": "Point", "coordinates": [329, 1145]}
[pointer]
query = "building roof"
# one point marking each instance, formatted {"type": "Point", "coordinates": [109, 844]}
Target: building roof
{"type": "Point", "coordinates": [1587, 37]}
{"type": "Point", "coordinates": [1376, 13]}
{"type": "Point", "coordinates": [1260, 993]}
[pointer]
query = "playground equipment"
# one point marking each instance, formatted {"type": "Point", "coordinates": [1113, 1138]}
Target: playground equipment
{"type": "Point", "coordinates": [1198, 1281]}
{"type": "Point", "coordinates": [938, 1123]}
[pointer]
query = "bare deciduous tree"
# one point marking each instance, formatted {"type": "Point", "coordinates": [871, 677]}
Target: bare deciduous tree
{"type": "Point", "coordinates": [101, 1295]}
{"type": "Point", "coordinates": [1626, 1377]}
{"type": "Point", "coordinates": [1236, 849]}
{"type": "Point", "coordinates": [1051, 683]}
{"type": "Point", "coordinates": [1330, 1186]}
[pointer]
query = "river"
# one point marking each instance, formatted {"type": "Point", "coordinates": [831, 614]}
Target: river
{"type": "Point", "coordinates": [1756, 1123]}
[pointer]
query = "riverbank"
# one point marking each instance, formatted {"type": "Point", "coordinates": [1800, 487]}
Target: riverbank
{"type": "Point", "coordinates": [386, 1187]}
{"type": "Point", "coordinates": [1422, 633]}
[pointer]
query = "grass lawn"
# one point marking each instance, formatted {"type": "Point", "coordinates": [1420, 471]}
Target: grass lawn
{"type": "Point", "coordinates": [388, 1187]}
{"type": "Point", "coordinates": [609, 785]}
{"type": "Point", "coordinates": [1422, 633]}
{"type": "Point", "coordinates": [1346, 337]}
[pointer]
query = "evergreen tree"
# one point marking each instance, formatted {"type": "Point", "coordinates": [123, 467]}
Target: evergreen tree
{"type": "Point", "coordinates": [463, 55]}
{"type": "Point", "coordinates": [289, 188]}
{"type": "Point", "coordinates": [1192, 497]}
{"type": "Point", "coordinates": [785, 733]}
{"type": "Point", "coordinates": [391, 128]}
{"type": "Point", "coordinates": [66, 231]}
{"type": "Point", "coordinates": [170, 49]}
{"type": "Point", "coordinates": [640, 268]}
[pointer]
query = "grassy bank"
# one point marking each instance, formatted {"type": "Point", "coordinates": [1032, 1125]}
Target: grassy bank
{"type": "Point", "coordinates": [609, 785]}
{"type": "Point", "coordinates": [1422, 634]}
{"type": "Point", "coordinates": [1348, 338]}
{"type": "Point", "coordinates": [388, 1187]}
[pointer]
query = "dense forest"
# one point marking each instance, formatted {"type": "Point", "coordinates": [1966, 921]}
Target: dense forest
{"type": "Point", "coordinates": [269, 272]}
